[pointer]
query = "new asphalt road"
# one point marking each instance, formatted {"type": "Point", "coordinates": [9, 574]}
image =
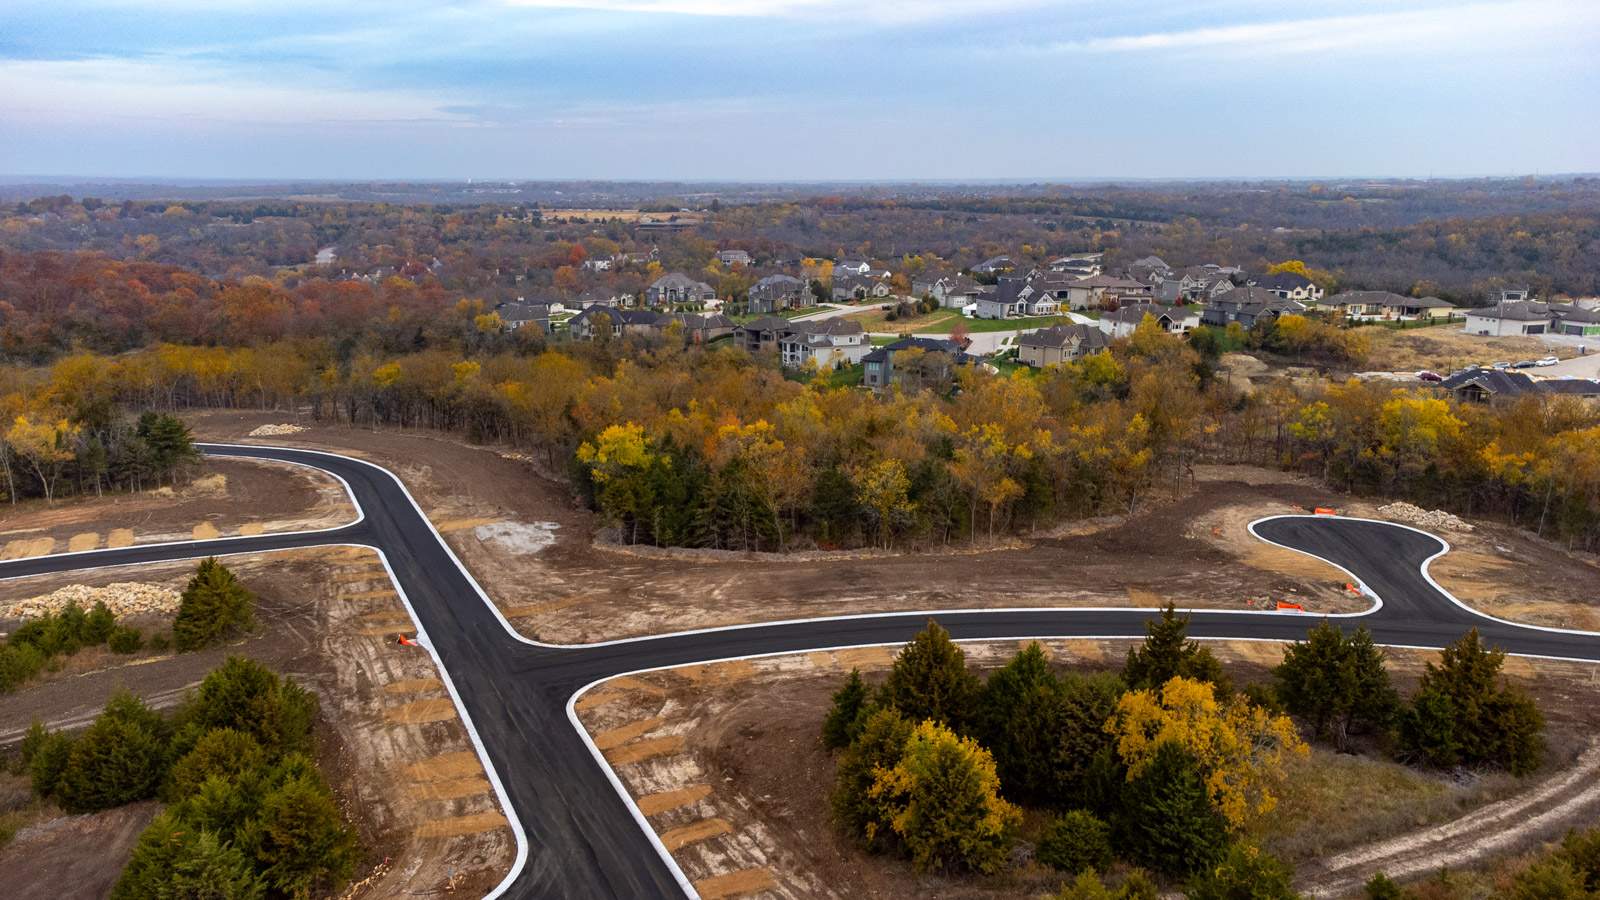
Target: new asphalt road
{"type": "Point", "coordinates": [578, 834]}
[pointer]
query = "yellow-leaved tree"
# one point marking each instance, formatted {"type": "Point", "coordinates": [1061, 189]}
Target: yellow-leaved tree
{"type": "Point", "coordinates": [1240, 746]}
{"type": "Point", "coordinates": [944, 799]}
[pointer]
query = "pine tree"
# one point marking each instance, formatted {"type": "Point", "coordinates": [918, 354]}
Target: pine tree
{"type": "Point", "coordinates": [844, 719]}
{"type": "Point", "coordinates": [1167, 822]}
{"type": "Point", "coordinates": [1465, 714]}
{"type": "Point", "coordinates": [1336, 682]}
{"type": "Point", "coordinates": [1167, 653]}
{"type": "Point", "coordinates": [220, 753]}
{"type": "Point", "coordinates": [1085, 770]}
{"type": "Point", "coordinates": [929, 680]}
{"type": "Point", "coordinates": [214, 607]}
{"type": "Point", "coordinates": [245, 695]}
{"type": "Point", "coordinates": [175, 859]}
{"type": "Point", "coordinates": [1017, 720]}
{"type": "Point", "coordinates": [119, 759]}
{"type": "Point", "coordinates": [299, 839]}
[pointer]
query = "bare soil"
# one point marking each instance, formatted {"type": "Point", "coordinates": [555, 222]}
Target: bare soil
{"type": "Point", "coordinates": [226, 497]}
{"type": "Point", "coordinates": [728, 755]}
{"type": "Point", "coordinates": [1446, 348]}
{"type": "Point", "coordinates": [1508, 572]}
{"type": "Point", "coordinates": [397, 755]}
{"type": "Point", "coordinates": [577, 590]}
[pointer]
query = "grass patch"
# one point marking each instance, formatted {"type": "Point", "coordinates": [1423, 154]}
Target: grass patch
{"type": "Point", "coordinates": [985, 325]}
{"type": "Point", "coordinates": [782, 314]}
{"type": "Point", "coordinates": [1445, 350]}
{"type": "Point", "coordinates": [1332, 801]}
{"type": "Point", "coordinates": [878, 320]}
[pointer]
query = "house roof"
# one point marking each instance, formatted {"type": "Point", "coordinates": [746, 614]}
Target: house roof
{"type": "Point", "coordinates": [680, 281]}
{"type": "Point", "coordinates": [1107, 281]}
{"type": "Point", "coordinates": [1283, 281]}
{"type": "Point", "coordinates": [1494, 381]}
{"type": "Point", "coordinates": [522, 312]}
{"type": "Point", "coordinates": [930, 345]}
{"type": "Point", "coordinates": [1514, 311]}
{"type": "Point", "coordinates": [1058, 337]}
{"type": "Point", "coordinates": [1575, 313]}
{"type": "Point", "coordinates": [766, 323]}
{"type": "Point", "coordinates": [1134, 313]}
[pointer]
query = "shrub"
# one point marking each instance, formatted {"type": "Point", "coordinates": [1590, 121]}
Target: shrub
{"type": "Point", "coordinates": [843, 721]}
{"type": "Point", "coordinates": [125, 639]}
{"type": "Point", "coordinates": [945, 798]}
{"type": "Point", "coordinates": [1075, 842]}
{"type": "Point", "coordinates": [98, 625]}
{"type": "Point", "coordinates": [1382, 887]}
{"type": "Point", "coordinates": [929, 680]}
{"type": "Point", "coordinates": [1244, 872]}
{"type": "Point", "coordinates": [1552, 878]}
{"type": "Point", "coordinates": [1336, 682]}
{"type": "Point", "coordinates": [879, 746]}
{"type": "Point", "coordinates": [161, 642]}
{"type": "Point", "coordinates": [1582, 850]}
{"type": "Point", "coordinates": [47, 759]}
{"type": "Point", "coordinates": [18, 663]}
{"type": "Point", "coordinates": [214, 607]}
{"type": "Point", "coordinates": [119, 759]}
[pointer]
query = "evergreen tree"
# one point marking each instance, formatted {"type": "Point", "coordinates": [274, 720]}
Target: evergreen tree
{"type": "Point", "coordinates": [1336, 682]}
{"type": "Point", "coordinates": [945, 798]}
{"type": "Point", "coordinates": [1582, 850]}
{"type": "Point", "coordinates": [119, 759]}
{"type": "Point", "coordinates": [1382, 887]}
{"type": "Point", "coordinates": [299, 839]}
{"type": "Point", "coordinates": [844, 719]}
{"type": "Point", "coordinates": [1018, 720]}
{"type": "Point", "coordinates": [1552, 878]}
{"type": "Point", "coordinates": [879, 746]}
{"type": "Point", "coordinates": [929, 680]}
{"type": "Point", "coordinates": [246, 696]}
{"type": "Point", "coordinates": [1465, 714]}
{"type": "Point", "coordinates": [1085, 770]}
{"type": "Point", "coordinates": [1167, 822]}
{"type": "Point", "coordinates": [1076, 842]}
{"type": "Point", "coordinates": [214, 607]}
{"type": "Point", "coordinates": [1168, 653]}
{"type": "Point", "coordinates": [173, 859]}
{"type": "Point", "coordinates": [168, 440]}
{"type": "Point", "coordinates": [220, 752]}
{"type": "Point", "coordinates": [98, 625]}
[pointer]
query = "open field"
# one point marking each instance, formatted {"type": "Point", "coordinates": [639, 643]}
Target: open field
{"type": "Point", "coordinates": [725, 761]}
{"type": "Point", "coordinates": [584, 216]}
{"type": "Point", "coordinates": [878, 320]}
{"type": "Point", "coordinates": [394, 751]}
{"type": "Point", "coordinates": [1444, 349]}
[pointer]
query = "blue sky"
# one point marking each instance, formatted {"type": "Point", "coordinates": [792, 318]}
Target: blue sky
{"type": "Point", "coordinates": [797, 89]}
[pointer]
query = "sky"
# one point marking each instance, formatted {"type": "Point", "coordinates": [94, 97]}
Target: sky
{"type": "Point", "coordinates": [782, 90]}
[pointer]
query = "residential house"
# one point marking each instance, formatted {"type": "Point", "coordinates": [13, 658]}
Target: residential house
{"type": "Point", "coordinates": [1510, 317]}
{"type": "Point", "coordinates": [1489, 385]}
{"type": "Point", "coordinates": [994, 265]}
{"type": "Point", "coordinates": [1078, 265]}
{"type": "Point", "coordinates": [1386, 305]}
{"type": "Point", "coordinates": [1097, 290]}
{"type": "Point", "coordinates": [936, 361]}
{"type": "Point", "coordinates": [1149, 269]}
{"type": "Point", "coordinates": [600, 297]}
{"type": "Point", "coordinates": [734, 257]}
{"type": "Point", "coordinates": [677, 288]}
{"type": "Point", "coordinates": [1193, 284]}
{"type": "Point", "coordinates": [635, 259]}
{"type": "Point", "coordinates": [758, 335]}
{"type": "Point", "coordinates": [851, 266]}
{"type": "Point", "coordinates": [775, 293]}
{"type": "Point", "coordinates": [599, 264]}
{"type": "Point", "coordinates": [829, 343]}
{"type": "Point", "coordinates": [848, 288]}
{"type": "Point", "coordinates": [1247, 306]}
{"type": "Point", "coordinates": [605, 320]}
{"type": "Point", "coordinates": [1059, 344]}
{"type": "Point", "coordinates": [702, 329]}
{"type": "Point", "coordinates": [1290, 286]}
{"type": "Point", "coordinates": [517, 316]}
{"type": "Point", "coordinates": [1171, 319]}
{"type": "Point", "coordinates": [1579, 321]}
{"type": "Point", "coordinates": [952, 291]}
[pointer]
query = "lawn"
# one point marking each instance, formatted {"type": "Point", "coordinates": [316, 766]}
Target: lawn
{"type": "Point", "coordinates": [984, 325]}
{"type": "Point", "coordinates": [878, 320]}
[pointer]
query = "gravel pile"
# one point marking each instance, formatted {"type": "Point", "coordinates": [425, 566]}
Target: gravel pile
{"type": "Point", "coordinates": [124, 598]}
{"type": "Point", "coordinates": [276, 430]}
{"type": "Point", "coordinates": [1426, 519]}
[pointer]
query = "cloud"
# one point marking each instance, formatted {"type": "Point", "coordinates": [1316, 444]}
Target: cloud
{"type": "Point", "coordinates": [844, 12]}
{"type": "Point", "coordinates": [1486, 24]}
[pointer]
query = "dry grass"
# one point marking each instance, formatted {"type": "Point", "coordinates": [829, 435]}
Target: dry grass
{"type": "Point", "coordinates": [1335, 801]}
{"type": "Point", "coordinates": [1446, 348]}
{"type": "Point", "coordinates": [878, 320]}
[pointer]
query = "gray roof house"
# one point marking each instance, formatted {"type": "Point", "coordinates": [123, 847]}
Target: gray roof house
{"type": "Point", "coordinates": [1247, 306]}
{"type": "Point", "coordinates": [1290, 286]}
{"type": "Point", "coordinates": [1172, 319]}
{"type": "Point", "coordinates": [829, 343]}
{"type": "Point", "coordinates": [676, 288]}
{"type": "Point", "coordinates": [517, 316]}
{"type": "Point", "coordinates": [1059, 344]}
{"type": "Point", "coordinates": [879, 364]}
{"type": "Point", "coordinates": [857, 287]}
{"type": "Point", "coordinates": [779, 292]}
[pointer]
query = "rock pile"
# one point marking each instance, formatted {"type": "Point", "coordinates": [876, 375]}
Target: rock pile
{"type": "Point", "coordinates": [124, 598]}
{"type": "Point", "coordinates": [1426, 519]}
{"type": "Point", "coordinates": [276, 430]}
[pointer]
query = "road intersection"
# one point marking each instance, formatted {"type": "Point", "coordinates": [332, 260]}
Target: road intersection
{"type": "Point", "coordinates": [578, 832]}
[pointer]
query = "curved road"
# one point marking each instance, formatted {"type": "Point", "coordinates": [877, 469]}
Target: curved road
{"type": "Point", "coordinates": [578, 833]}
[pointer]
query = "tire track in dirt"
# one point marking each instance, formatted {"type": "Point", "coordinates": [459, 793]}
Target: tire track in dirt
{"type": "Point", "coordinates": [1496, 828]}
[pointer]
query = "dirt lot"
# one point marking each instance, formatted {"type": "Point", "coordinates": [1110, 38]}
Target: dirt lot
{"type": "Point", "coordinates": [724, 760]}
{"type": "Point", "coordinates": [1507, 572]}
{"type": "Point", "coordinates": [225, 498]}
{"type": "Point", "coordinates": [495, 510]}
{"type": "Point", "coordinates": [1446, 348]}
{"type": "Point", "coordinates": [396, 753]}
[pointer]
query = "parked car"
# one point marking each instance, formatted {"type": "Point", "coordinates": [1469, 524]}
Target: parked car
{"type": "Point", "coordinates": [1501, 366]}
{"type": "Point", "coordinates": [1524, 364]}
{"type": "Point", "coordinates": [1547, 361]}
{"type": "Point", "coordinates": [1430, 376]}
